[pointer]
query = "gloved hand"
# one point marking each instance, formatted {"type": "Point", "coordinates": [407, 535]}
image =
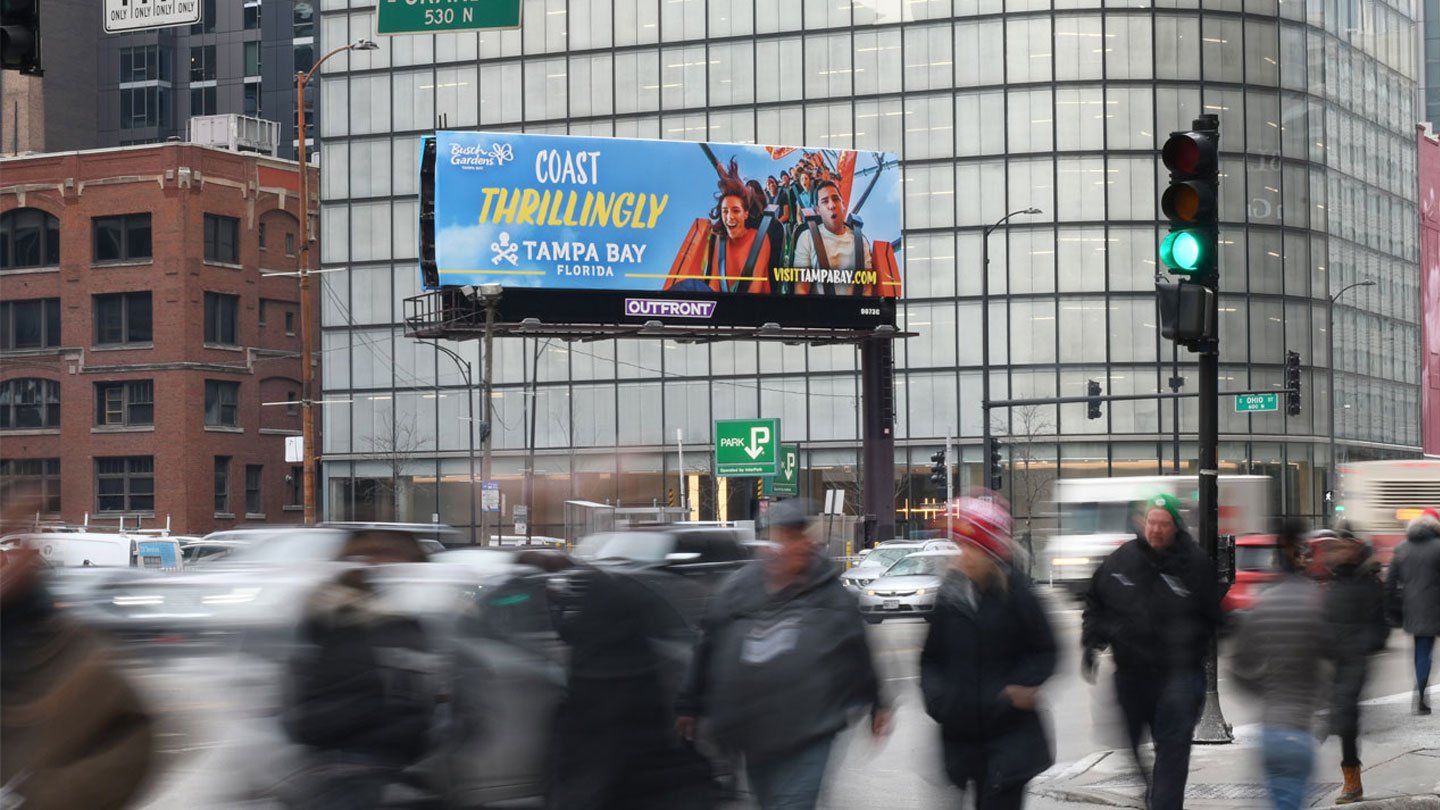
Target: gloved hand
{"type": "Point", "coordinates": [1089, 666]}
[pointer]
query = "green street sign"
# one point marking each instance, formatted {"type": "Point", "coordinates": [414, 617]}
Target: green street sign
{"type": "Point", "coordinates": [746, 447]}
{"type": "Point", "coordinates": [1252, 403]}
{"type": "Point", "coordinates": [435, 16]}
{"type": "Point", "coordinates": [787, 478]}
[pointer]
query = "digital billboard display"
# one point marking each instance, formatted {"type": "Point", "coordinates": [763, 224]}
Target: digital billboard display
{"type": "Point", "coordinates": [668, 230]}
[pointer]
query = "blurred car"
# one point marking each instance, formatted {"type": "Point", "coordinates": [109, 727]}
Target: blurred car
{"type": "Point", "coordinates": [907, 588]}
{"type": "Point", "coordinates": [704, 554]}
{"type": "Point", "coordinates": [884, 555]}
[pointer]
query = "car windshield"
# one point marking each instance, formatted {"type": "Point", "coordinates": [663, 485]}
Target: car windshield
{"type": "Point", "coordinates": [917, 565]}
{"type": "Point", "coordinates": [638, 546]}
{"type": "Point", "coordinates": [1256, 558]}
{"type": "Point", "coordinates": [885, 557]}
{"type": "Point", "coordinates": [1111, 517]}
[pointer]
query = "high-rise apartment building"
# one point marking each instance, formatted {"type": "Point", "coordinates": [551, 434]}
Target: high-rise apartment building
{"type": "Point", "coordinates": [994, 107]}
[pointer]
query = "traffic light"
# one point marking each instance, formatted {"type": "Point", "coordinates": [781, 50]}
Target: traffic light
{"type": "Point", "coordinates": [996, 459]}
{"type": "Point", "coordinates": [20, 36]}
{"type": "Point", "coordinates": [939, 473]}
{"type": "Point", "coordinates": [1292, 383]}
{"type": "Point", "coordinates": [1190, 202]}
{"type": "Point", "coordinates": [1092, 390]}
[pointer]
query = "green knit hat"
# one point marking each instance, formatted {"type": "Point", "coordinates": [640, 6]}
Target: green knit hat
{"type": "Point", "coordinates": [1168, 502]}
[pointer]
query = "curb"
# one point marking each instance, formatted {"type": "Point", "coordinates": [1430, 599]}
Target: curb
{"type": "Point", "coordinates": [1424, 801]}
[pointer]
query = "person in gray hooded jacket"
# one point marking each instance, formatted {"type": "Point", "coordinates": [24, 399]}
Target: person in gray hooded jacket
{"type": "Point", "coordinates": [781, 667]}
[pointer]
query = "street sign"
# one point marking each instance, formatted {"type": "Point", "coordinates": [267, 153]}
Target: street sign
{"type": "Point", "coordinates": [787, 477]}
{"type": "Point", "coordinates": [122, 16]}
{"type": "Point", "coordinates": [1251, 403]}
{"type": "Point", "coordinates": [490, 496]}
{"type": "Point", "coordinates": [410, 17]}
{"type": "Point", "coordinates": [294, 449]}
{"type": "Point", "coordinates": [746, 447]}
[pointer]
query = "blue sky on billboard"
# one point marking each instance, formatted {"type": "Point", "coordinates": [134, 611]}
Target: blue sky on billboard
{"type": "Point", "coordinates": [616, 214]}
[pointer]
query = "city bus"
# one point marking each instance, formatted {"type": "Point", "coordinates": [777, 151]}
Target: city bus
{"type": "Point", "coordinates": [1380, 498]}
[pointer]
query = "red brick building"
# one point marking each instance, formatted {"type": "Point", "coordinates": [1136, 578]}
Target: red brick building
{"type": "Point", "coordinates": [140, 334]}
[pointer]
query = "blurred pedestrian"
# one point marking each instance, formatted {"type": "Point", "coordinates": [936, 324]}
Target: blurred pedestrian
{"type": "Point", "coordinates": [989, 649]}
{"type": "Point", "coordinates": [781, 666]}
{"type": "Point", "coordinates": [1354, 610]}
{"type": "Point", "coordinates": [1279, 655]}
{"type": "Point", "coordinates": [1413, 595]}
{"type": "Point", "coordinates": [363, 688]}
{"type": "Point", "coordinates": [1155, 604]}
{"type": "Point", "coordinates": [73, 733]}
{"type": "Point", "coordinates": [615, 744]}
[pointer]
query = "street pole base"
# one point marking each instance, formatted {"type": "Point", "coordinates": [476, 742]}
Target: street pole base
{"type": "Point", "coordinates": [1212, 728]}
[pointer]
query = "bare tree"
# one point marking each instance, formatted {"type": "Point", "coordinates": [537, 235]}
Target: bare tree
{"type": "Point", "coordinates": [396, 444]}
{"type": "Point", "coordinates": [1031, 474]}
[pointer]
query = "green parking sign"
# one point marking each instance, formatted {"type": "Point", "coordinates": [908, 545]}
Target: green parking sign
{"type": "Point", "coordinates": [787, 477]}
{"type": "Point", "coordinates": [745, 447]}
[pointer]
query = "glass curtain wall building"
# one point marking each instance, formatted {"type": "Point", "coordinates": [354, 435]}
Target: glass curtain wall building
{"type": "Point", "coordinates": [994, 107]}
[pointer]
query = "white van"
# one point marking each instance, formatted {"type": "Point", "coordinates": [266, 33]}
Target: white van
{"type": "Point", "coordinates": [102, 549]}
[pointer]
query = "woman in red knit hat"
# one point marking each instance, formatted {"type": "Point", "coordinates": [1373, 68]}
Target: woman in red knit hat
{"type": "Point", "coordinates": [989, 649]}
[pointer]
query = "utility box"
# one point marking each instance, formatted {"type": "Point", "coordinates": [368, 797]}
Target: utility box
{"type": "Point", "coordinates": [238, 133]}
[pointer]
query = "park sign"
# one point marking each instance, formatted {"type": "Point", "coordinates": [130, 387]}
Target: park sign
{"type": "Point", "coordinates": [439, 16]}
{"type": "Point", "coordinates": [747, 447]}
{"type": "Point", "coordinates": [123, 16]}
{"type": "Point", "coordinates": [787, 476]}
{"type": "Point", "coordinates": [612, 230]}
{"type": "Point", "coordinates": [1254, 403]}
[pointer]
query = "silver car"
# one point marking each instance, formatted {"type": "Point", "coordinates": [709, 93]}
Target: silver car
{"type": "Point", "coordinates": [884, 555]}
{"type": "Point", "coordinates": [908, 587]}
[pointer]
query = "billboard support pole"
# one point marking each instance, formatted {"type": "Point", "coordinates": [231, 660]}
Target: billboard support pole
{"type": "Point", "coordinates": [490, 293]}
{"type": "Point", "coordinates": [680, 471]}
{"type": "Point", "coordinates": [877, 398]}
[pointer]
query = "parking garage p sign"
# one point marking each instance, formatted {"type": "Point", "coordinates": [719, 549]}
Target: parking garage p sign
{"type": "Point", "coordinates": [745, 447]}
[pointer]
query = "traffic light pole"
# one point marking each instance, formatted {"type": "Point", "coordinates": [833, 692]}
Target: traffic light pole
{"type": "Point", "coordinates": [1212, 727]}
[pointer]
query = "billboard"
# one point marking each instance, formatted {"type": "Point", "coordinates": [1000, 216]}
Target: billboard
{"type": "Point", "coordinates": [667, 230]}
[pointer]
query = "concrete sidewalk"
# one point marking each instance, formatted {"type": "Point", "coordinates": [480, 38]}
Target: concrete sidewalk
{"type": "Point", "coordinates": [1401, 770]}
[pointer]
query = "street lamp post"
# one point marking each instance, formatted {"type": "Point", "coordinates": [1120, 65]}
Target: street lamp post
{"type": "Point", "coordinates": [307, 326]}
{"type": "Point", "coordinates": [490, 294]}
{"type": "Point", "coordinates": [465, 371]}
{"type": "Point", "coordinates": [1330, 336]}
{"type": "Point", "coordinates": [985, 339]}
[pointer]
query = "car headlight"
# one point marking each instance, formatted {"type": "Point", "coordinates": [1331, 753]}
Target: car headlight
{"type": "Point", "coordinates": [1070, 561]}
{"type": "Point", "coordinates": [919, 591]}
{"type": "Point", "coordinates": [871, 593]}
{"type": "Point", "coordinates": [142, 599]}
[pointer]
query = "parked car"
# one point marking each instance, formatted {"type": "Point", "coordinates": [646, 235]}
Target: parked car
{"type": "Point", "coordinates": [907, 588]}
{"type": "Point", "coordinates": [884, 555]}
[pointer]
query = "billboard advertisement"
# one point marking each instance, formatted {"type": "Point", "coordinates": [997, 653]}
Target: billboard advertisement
{"type": "Point", "coordinates": [1429, 293]}
{"type": "Point", "coordinates": [673, 230]}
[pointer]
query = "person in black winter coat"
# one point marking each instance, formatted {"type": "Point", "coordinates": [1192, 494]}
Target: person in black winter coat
{"type": "Point", "coordinates": [362, 690]}
{"type": "Point", "coordinates": [1155, 604]}
{"type": "Point", "coordinates": [1354, 611]}
{"type": "Point", "coordinates": [989, 649]}
{"type": "Point", "coordinates": [1413, 595]}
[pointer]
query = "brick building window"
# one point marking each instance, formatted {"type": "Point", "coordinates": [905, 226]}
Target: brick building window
{"type": "Point", "coordinates": [222, 484]}
{"type": "Point", "coordinates": [32, 324]}
{"type": "Point", "coordinates": [262, 236]}
{"type": "Point", "coordinates": [125, 484]}
{"type": "Point", "coordinates": [124, 238]}
{"type": "Point", "coordinates": [127, 403]}
{"type": "Point", "coordinates": [29, 402]}
{"type": "Point", "coordinates": [222, 239]}
{"type": "Point", "coordinates": [289, 322]}
{"type": "Point", "coordinates": [221, 312]}
{"type": "Point", "coordinates": [295, 487]}
{"type": "Point", "coordinates": [252, 489]}
{"type": "Point", "coordinates": [289, 244]}
{"type": "Point", "coordinates": [122, 318]}
{"type": "Point", "coordinates": [292, 403]}
{"type": "Point", "coordinates": [29, 237]}
{"type": "Point", "coordinates": [222, 403]}
{"type": "Point", "coordinates": [43, 474]}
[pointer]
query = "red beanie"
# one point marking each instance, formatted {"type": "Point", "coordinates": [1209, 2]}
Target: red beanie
{"type": "Point", "coordinates": [985, 525]}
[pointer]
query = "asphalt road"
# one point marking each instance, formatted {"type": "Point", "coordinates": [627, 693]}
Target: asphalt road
{"type": "Point", "coordinates": [203, 703]}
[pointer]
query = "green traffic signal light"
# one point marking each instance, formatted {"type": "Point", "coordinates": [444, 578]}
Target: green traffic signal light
{"type": "Point", "coordinates": [1182, 251]}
